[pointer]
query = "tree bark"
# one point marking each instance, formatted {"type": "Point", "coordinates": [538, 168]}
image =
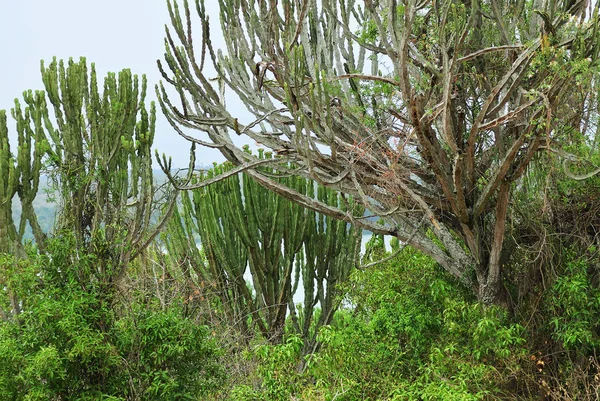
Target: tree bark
{"type": "Point", "coordinates": [490, 286]}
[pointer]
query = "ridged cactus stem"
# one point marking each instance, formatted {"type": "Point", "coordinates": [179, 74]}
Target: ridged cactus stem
{"type": "Point", "coordinates": [9, 181]}
{"type": "Point", "coordinates": [243, 226]}
{"type": "Point", "coordinates": [99, 150]}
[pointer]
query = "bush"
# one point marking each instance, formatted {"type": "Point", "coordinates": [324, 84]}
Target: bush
{"type": "Point", "coordinates": [415, 335]}
{"type": "Point", "coordinates": [574, 306]}
{"type": "Point", "coordinates": [277, 372]}
{"type": "Point", "coordinates": [75, 340]}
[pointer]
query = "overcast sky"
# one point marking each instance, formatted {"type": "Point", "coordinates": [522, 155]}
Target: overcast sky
{"type": "Point", "coordinates": [114, 34]}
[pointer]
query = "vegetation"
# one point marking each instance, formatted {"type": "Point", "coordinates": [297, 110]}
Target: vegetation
{"type": "Point", "coordinates": [284, 247]}
{"type": "Point", "coordinates": [76, 340]}
{"type": "Point", "coordinates": [429, 115]}
{"type": "Point", "coordinates": [477, 150]}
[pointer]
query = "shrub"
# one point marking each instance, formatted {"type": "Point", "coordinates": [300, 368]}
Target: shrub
{"type": "Point", "coordinates": [414, 334]}
{"type": "Point", "coordinates": [75, 340]}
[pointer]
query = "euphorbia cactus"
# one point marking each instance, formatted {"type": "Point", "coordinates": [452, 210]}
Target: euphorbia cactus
{"type": "Point", "coordinates": [100, 153]}
{"type": "Point", "coordinates": [97, 150]}
{"type": "Point", "coordinates": [248, 232]}
{"type": "Point", "coordinates": [20, 172]}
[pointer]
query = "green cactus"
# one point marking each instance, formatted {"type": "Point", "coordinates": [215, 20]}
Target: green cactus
{"type": "Point", "coordinates": [248, 231]}
{"type": "Point", "coordinates": [9, 180]}
{"type": "Point", "coordinates": [100, 153]}
{"type": "Point", "coordinates": [32, 147]}
{"type": "Point", "coordinates": [331, 251]}
{"type": "Point", "coordinates": [97, 149]}
{"type": "Point", "coordinates": [20, 175]}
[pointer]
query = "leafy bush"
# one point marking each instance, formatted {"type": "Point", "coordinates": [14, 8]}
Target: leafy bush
{"type": "Point", "coordinates": [574, 306]}
{"type": "Point", "coordinates": [409, 332]}
{"type": "Point", "coordinates": [276, 372]}
{"type": "Point", "coordinates": [75, 339]}
{"type": "Point", "coordinates": [415, 335]}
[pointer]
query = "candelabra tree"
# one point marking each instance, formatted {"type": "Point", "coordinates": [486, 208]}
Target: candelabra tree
{"type": "Point", "coordinates": [20, 176]}
{"type": "Point", "coordinates": [249, 233]}
{"type": "Point", "coordinates": [20, 173]}
{"type": "Point", "coordinates": [427, 112]}
{"type": "Point", "coordinates": [95, 147]}
{"type": "Point", "coordinates": [99, 156]}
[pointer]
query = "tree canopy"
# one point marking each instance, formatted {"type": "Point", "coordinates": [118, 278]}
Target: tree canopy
{"type": "Point", "coordinates": [427, 112]}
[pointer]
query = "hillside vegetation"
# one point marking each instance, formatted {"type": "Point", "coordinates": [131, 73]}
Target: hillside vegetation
{"type": "Point", "coordinates": [469, 133]}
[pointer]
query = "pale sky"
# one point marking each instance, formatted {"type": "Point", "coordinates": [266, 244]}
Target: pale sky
{"type": "Point", "coordinates": [114, 34]}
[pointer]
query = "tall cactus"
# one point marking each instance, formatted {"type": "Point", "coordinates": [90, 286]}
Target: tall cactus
{"type": "Point", "coordinates": [32, 146]}
{"type": "Point", "coordinates": [331, 249]}
{"type": "Point", "coordinates": [9, 182]}
{"type": "Point", "coordinates": [100, 153]}
{"type": "Point", "coordinates": [97, 149]}
{"type": "Point", "coordinates": [20, 173]}
{"type": "Point", "coordinates": [244, 226]}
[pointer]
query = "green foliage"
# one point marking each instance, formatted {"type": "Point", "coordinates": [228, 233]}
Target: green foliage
{"type": "Point", "coordinates": [368, 33]}
{"type": "Point", "coordinates": [276, 376]}
{"type": "Point", "coordinates": [277, 369]}
{"type": "Point", "coordinates": [413, 334]}
{"type": "Point", "coordinates": [73, 341]}
{"type": "Point", "coordinates": [410, 333]}
{"type": "Point", "coordinates": [573, 304]}
{"type": "Point", "coordinates": [170, 357]}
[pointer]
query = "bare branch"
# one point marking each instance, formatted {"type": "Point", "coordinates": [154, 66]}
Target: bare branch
{"type": "Point", "coordinates": [394, 254]}
{"type": "Point", "coordinates": [365, 78]}
{"type": "Point", "coordinates": [488, 50]}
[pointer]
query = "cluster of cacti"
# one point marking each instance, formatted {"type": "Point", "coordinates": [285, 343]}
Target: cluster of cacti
{"type": "Point", "coordinates": [100, 154]}
{"type": "Point", "coordinates": [95, 146]}
{"type": "Point", "coordinates": [244, 228]}
{"type": "Point", "coordinates": [20, 174]}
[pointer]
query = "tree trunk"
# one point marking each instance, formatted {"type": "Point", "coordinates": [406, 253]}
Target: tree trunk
{"type": "Point", "coordinates": [490, 289]}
